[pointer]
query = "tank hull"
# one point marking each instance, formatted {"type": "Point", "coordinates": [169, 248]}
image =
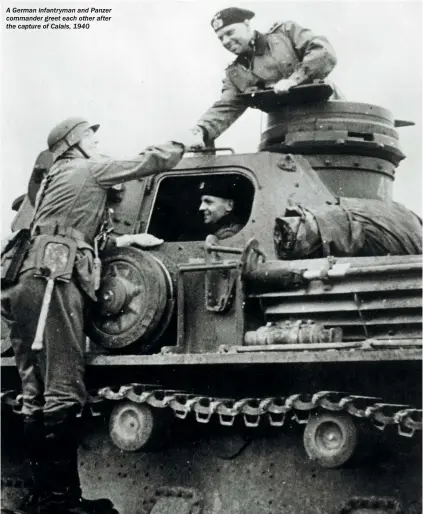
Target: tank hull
{"type": "Point", "coordinates": [237, 469]}
{"type": "Point", "coordinates": [234, 470]}
{"type": "Point", "coordinates": [251, 425]}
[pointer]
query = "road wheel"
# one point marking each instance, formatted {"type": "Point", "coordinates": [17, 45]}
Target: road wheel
{"type": "Point", "coordinates": [138, 427]}
{"type": "Point", "coordinates": [330, 439]}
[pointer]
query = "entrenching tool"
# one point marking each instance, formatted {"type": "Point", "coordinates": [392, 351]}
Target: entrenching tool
{"type": "Point", "coordinates": [55, 260]}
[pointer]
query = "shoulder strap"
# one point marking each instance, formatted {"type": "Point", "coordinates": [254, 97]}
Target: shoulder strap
{"type": "Point", "coordinates": [274, 27]}
{"type": "Point", "coordinates": [41, 194]}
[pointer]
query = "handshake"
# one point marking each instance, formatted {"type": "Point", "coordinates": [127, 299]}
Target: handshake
{"type": "Point", "coordinates": [192, 139]}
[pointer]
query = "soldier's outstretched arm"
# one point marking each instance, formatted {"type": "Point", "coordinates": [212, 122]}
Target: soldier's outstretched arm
{"type": "Point", "coordinates": [317, 56]}
{"type": "Point", "coordinates": [222, 113]}
{"type": "Point", "coordinates": [152, 160]}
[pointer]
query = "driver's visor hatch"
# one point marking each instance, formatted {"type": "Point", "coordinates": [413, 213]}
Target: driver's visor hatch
{"type": "Point", "coordinates": [175, 214]}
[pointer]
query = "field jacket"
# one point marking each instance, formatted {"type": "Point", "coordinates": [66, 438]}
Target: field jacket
{"type": "Point", "coordinates": [286, 51]}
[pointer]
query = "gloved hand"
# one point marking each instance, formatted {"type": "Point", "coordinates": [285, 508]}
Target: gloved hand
{"type": "Point", "coordinates": [142, 240]}
{"type": "Point", "coordinates": [283, 86]}
{"type": "Point", "coordinates": [194, 138]}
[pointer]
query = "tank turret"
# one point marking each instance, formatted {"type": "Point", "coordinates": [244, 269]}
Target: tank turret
{"type": "Point", "coordinates": [354, 147]}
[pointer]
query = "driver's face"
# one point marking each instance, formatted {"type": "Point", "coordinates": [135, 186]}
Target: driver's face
{"type": "Point", "coordinates": [215, 208]}
{"type": "Point", "coordinates": [236, 37]}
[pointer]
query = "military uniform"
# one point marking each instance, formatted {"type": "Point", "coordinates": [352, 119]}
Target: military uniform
{"type": "Point", "coordinates": [73, 205]}
{"type": "Point", "coordinates": [227, 228]}
{"type": "Point", "coordinates": [226, 188]}
{"type": "Point", "coordinates": [286, 51]}
{"type": "Point", "coordinates": [53, 387]}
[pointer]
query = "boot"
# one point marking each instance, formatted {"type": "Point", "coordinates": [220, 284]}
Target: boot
{"type": "Point", "coordinates": [61, 469]}
{"type": "Point", "coordinates": [34, 443]}
{"type": "Point", "coordinates": [75, 492]}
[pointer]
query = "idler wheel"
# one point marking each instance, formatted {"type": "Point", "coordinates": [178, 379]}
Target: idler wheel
{"type": "Point", "coordinates": [135, 301]}
{"type": "Point", "coordinates": [134, 426]}
{"type": "Point", "coordinates": [330, 439]}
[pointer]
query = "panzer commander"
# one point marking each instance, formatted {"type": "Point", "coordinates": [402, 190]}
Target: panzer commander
{"type": "Point", "coordinates": [287, 55]}
{"type": "Point", "coordinates": [69, 213]}
{"type": "Point", "coordinates": [218, 205]}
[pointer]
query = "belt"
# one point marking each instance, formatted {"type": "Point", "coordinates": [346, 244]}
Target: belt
{"type": "Point", "coordinates": [60, 230]}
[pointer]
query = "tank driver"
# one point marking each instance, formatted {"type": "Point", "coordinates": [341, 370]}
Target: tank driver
{"type": "Point", "coordinates": [219, 206]}
{"type": "Point", "coordinates": [287, 55]}
{"type": "Point", "coordinates": [68, 220]}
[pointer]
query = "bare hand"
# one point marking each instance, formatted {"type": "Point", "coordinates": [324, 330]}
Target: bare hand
{"type": "Point", "coordinates": [283, 86]}
{"type": "Point", "coordinates": [142, 240]}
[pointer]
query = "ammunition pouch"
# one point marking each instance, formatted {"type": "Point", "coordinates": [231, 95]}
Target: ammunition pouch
{"type": "Point", "coordinates": [13, 256]}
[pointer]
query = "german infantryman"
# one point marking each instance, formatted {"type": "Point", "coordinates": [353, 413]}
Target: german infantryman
{"type": "Point", "coordinates": [287, 55]}
{"type": "Point", "coordinates": [69, 207]}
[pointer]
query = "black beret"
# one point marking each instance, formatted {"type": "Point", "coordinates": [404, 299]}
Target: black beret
{"type": "Point", "coordinates": [222, 187]}
{"type": "Point", "coordinates": [230, 15]}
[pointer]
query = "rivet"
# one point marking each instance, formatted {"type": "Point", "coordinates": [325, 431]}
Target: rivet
{"type": "Point", "coordinates": [327, 162]}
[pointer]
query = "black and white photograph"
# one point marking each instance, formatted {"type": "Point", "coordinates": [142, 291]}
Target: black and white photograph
{"type": "Point", "coordinates": [211, 287]}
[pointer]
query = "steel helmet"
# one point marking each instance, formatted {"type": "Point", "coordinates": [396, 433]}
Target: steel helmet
{"type": "Point", "coordinates": [67, 134]}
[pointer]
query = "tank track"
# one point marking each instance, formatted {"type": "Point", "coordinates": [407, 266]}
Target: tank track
{"type": "Point", "coordinates": [277, 409]}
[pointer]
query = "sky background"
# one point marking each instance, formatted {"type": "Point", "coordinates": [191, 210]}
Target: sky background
{"type": "Point", "coordinates": [149, 73]}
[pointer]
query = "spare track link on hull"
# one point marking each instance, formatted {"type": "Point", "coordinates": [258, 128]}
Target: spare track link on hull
{"type": "Point", "coordinates": [298, 407]}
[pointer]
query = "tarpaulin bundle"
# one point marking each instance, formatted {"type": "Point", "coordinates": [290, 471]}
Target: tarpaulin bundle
{"type": "Point", "coordinates": [353, 227]}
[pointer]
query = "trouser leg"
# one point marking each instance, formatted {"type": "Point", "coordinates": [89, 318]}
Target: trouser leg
{"type": "Point", "coordinates": [64, 341]}
{"type": "Point", "coordinates": [57, 372]}
{"type": "Point", "coordinates": [21, 306]}
{"type": "Point", "coordinates": [61, 369]}
{"type": "Point", "coordinates": [21, 321]}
